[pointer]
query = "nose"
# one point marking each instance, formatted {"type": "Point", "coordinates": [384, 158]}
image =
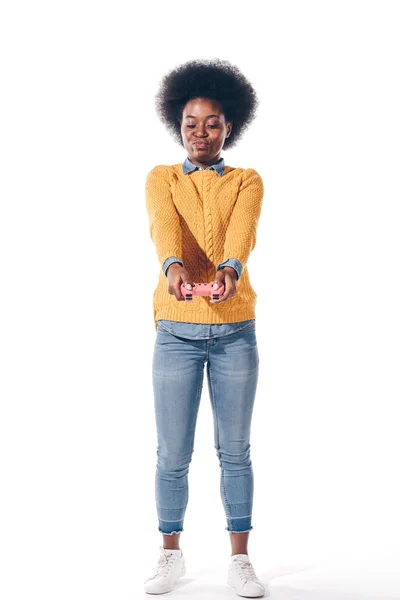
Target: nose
{"type": "Point", "coordinates": [201, 132]}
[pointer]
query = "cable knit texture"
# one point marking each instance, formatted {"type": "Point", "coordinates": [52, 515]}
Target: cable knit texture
{"type": "Point", "coordinates": [204, 219]}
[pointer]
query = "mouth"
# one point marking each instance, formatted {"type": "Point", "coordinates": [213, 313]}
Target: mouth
{"type": "Point", "coordinates": [200, 145]}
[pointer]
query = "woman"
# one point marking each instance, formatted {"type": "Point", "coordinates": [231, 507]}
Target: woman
{"type": "Point", "coordinates": [203, 217]}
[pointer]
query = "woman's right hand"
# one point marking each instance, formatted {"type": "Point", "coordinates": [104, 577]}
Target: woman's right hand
{"type": "Point", "coordinates": [176, 275]}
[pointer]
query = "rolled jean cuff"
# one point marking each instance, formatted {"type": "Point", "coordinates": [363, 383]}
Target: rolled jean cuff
{"type": "Point", "coordinates": [170, 527]}
{"type": "Point", "coordinates": [239, 524]}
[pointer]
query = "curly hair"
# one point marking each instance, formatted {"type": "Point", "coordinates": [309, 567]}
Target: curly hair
{"type": "Point", "coordinates": [214, 79]}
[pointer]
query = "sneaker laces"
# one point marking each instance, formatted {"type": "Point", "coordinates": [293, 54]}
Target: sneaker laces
{"type": "Point", "coordinates": [164, 563]}
{"type": "Point", "coordinates": [245, 569]}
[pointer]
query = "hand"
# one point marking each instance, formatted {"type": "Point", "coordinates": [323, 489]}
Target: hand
{"type": "Point", "coordinates": [177, 275]}
{"type": "Point", "coordinates": [228, 277]}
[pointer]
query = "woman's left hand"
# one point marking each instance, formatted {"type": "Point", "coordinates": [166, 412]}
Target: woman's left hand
{"type": "Point", "coordinates": [228, 277]}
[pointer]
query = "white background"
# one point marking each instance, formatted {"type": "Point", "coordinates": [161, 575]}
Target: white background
{"type": "Point", "coordinates": [79, 133]}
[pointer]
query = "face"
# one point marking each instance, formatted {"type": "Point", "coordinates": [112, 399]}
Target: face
{"type": "Point", "coordinates": [204, 130]}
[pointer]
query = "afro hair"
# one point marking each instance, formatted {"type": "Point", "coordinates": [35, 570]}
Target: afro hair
{"type": "Point", "coordinates": [214, 79]}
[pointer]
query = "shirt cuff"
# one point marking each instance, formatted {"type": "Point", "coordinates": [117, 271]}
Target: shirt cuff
{"type": "Point", "coordinates": [170, 261]}
{"type": "Point", "coordinates": [234, 263]}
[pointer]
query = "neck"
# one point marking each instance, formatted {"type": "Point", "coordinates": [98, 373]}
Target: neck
{"type": "Point", "coordinates": [205, 163]}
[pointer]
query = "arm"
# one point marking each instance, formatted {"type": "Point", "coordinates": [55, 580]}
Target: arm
{"type": "Point", "coordinates": [241, 234]}
{"type": "Point", "coordinates": [164, 222]}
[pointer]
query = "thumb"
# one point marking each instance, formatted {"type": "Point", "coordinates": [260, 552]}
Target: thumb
{"type": "Point", "coordinates": [219, 277]}
{"type": "Point", "coordinates": [187, 284]}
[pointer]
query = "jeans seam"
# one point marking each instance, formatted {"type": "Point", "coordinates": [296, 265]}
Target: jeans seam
{"type": "Point", "coordinates": [228, 513]}
{"type": "Point", "coordinates": [198, 397]}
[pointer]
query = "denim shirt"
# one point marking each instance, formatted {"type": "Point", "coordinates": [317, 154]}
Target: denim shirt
{"type": "Point", "coordinates": [202, 331]}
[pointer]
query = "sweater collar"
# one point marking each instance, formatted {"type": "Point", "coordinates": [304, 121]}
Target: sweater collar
{"type": "Point", "coordinates": [188, 166]}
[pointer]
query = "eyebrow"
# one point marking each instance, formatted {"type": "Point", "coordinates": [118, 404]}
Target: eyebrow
{"type": "Point", "coordinates": [193, 116]}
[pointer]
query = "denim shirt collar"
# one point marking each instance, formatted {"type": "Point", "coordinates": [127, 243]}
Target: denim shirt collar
{"type": "Point", "coordinates": [188, 166]}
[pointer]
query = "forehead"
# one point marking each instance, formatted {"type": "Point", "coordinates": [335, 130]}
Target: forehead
{"type": "Point", "coordinates": [202, 107]}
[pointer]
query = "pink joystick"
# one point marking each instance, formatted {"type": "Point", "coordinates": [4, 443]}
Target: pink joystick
{"type": "Point", "coordinates": [202, 289]}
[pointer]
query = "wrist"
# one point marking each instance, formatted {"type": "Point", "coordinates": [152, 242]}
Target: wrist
{"type": "Point", "coordinates": [173, 266]}
{"type": "Point", "coordinates": [231, 271]}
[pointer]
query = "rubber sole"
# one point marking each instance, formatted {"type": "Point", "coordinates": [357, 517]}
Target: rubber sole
{"type": "Point", "coordinates": [183, 571]}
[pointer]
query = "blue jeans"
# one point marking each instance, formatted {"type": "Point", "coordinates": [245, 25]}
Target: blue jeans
{"type": "Point", "coordinates": [232, 374]}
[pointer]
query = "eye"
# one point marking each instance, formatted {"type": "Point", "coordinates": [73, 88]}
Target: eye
{"type": "Point", "coordinates": [212, 126]}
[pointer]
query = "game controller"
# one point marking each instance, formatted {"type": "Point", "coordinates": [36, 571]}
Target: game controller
{"type": "Point", "coordinates": [202, 289]}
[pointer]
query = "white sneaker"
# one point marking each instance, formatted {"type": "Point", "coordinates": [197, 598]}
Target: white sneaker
{"type": "Point", "coordinates": [242, 578]}
{"type": "Point", "coordinates": [169, 568]}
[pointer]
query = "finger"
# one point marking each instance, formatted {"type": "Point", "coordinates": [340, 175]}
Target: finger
{"type": "Point", "coordinates": [178, 292]}
{"type": "Point", "coordinates": [188, 284]}
{"type": "Point", "coordinates": [226, 294]}
{"type": "Point", "coordinates": [220, 280]}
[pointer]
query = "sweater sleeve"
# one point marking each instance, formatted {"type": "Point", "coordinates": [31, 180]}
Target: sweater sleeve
{"type": "Point", "coordinates": [241, 234]}
{"type": "Point", "coordinates": [164, 221]}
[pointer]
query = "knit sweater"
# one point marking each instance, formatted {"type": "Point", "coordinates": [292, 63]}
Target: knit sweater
{"type": "Point", "coordinates": [204, 220]}
{"type": "Point", "coordinates": [203, 331]}
{"type": "Point", "coordinates": [187, 167]}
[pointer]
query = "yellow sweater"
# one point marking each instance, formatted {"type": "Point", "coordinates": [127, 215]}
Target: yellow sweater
{"type": "Point", "coordinates": [204, 219]}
